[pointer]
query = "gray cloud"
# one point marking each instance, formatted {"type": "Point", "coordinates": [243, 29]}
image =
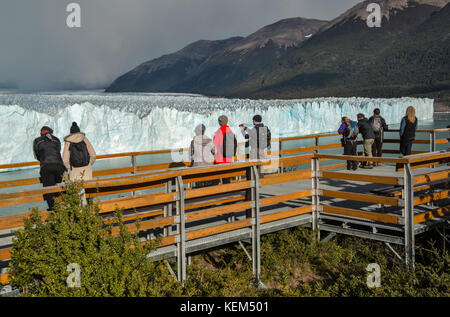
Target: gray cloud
{"type": "Point", "coordinates": [38, 50]}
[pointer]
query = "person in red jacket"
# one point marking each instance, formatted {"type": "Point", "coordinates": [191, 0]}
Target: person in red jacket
{"type": "Point", "coordinates": [226, 144]}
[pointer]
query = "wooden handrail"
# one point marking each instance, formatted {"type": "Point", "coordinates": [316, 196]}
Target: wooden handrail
{"type": "Point", "coordinates": [165, 151]}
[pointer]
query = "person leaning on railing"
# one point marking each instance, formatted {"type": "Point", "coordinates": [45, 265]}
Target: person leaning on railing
{"type": "Point", "coordinates": [349, 131]}
{"type": "Point", "coordinates": [47, 150]}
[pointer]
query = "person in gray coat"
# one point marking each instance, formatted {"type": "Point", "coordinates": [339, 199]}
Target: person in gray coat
{"type": "Point", "coordinates": [202, 152]}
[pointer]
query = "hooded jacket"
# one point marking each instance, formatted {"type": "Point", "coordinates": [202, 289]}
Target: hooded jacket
{"type": "Point", "coordinates": [202, 150]}
{"type": "Point", "coordinates": [384, 126]}
{"type": "Point", "coordinates": [258, 137]}
{"type": "Point", "coordinates": [77, 173]}
{"type": "Point", "coordinates": [218, 143]}
{"type": "Point", "coordinates": [47, 149]}
{"type": "Point", "coordinates": [366, 129]}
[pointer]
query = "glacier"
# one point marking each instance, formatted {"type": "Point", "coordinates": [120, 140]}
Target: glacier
{"type": "Point", "coordinates": [116, 123]}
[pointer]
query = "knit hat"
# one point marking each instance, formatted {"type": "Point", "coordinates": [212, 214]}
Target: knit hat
{"type": "Point", "coordinates": [74, 128]}
{"type": "Point", "coordinates": [45, 130]}
{"type": "Point", "coordinates": [257, 118]}
{"type": "Point", "coordinates": [223, 120]}
{"type": "Point", "coordinates": [200, 129]}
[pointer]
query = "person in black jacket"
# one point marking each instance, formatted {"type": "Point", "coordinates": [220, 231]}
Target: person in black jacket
{"type": "Point", "coordinates": [408, 127]}
{"type": "Point", "coordinates": [379, 126]}
{"type": "Point", "coordinates": [348, 141]}
{"type": "Point", "coordinates": [369, 137]}
{"type": "Point", "coordinates": [258, 138]}
{"type": "Point", "coordinates": [47, 150]}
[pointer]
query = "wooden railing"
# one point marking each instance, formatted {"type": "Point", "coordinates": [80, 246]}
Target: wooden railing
{"type": "Point", "coordinates": [281, 152]}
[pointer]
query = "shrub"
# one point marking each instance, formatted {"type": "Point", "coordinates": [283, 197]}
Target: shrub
{"type": "Point", "coordinates": [110, 265]}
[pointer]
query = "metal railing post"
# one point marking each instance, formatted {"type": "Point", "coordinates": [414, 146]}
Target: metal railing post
{"type": "Point", "coordinates": [83, 197]}
{"type": "Point", "coordinates": [181, 230]}
{"type": "Point", "coordinates": [315, 196]}
{"type": "Point", "coordinates": [133, 165]}
{"type": "Point", "coordinates": [409, 216]}
{"type": "Point", "coordinates": [432, 141]}
{"type": "Point", "coordinates": [280, 156]}
{"type": "Point", "coordinates": [167, 209]}
{"type": "Point", "coordinates": [317, 145]}
{"type": "Point", "coordinates": [256, 230]}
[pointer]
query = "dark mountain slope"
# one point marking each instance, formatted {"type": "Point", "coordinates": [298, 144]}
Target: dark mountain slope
{"type": "Point", "coordinates": [408, 55]}
{"type": "Point", "coordinates": [159, 75]}
{"type": "Point", "coordinates": [226, 70]}
{"type": "Point", "coordinates": [212, 67]}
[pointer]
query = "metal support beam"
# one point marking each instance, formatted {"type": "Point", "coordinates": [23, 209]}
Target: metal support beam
{"type": "Point", "coordinates": [395, 252]}
{"type": "Point", "coordinates": [442, 235]}
{"type": "Point", "coordinates": [245, 250]}
{"type": "Point", "coordinates": [170, 270]}
{"type": "Point", "coordinates": [409, 216]}
{"type": "Point", "coordinates": [256, 227]}
{"type": "Point", "coordinates": [329, 237]}
{"type": "Point", "coordinates": [181, 230]}
{"type": "Point", "coordinates": [315, 197]}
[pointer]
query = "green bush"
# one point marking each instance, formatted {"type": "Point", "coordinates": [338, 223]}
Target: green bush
{"type": "Point", "coordinates": [73, 233]}
{"type": "Point", "coordinates": [293, 262]}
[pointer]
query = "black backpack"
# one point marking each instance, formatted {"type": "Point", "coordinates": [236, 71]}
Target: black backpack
{"type": "Point", "coordinates": [79, 155]}
{"type": "Point", "coordinates": [229, 142]}
{"type": "Point", "coordinates": [264, 133]}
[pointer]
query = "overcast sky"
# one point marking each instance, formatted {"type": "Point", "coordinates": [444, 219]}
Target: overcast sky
{"type": "Point", "coordinates": [38, 51]}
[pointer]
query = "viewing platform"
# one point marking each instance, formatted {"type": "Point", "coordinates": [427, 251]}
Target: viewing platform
{"type": "Point", "coordinates": [298, 187]}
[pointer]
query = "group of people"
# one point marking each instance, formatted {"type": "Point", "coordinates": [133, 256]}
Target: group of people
{"type": "Point", "coordinates": [79, 155]}
{"type": "Point", "coordinates": [77, 158]}
{"type": "Point", "coordinates": [223, 147]}
{"type": "Point", "coordinates": [372, 131]}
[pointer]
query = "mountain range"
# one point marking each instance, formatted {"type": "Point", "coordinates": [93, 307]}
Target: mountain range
{"type": "Point", "coordinates": [298, 57]}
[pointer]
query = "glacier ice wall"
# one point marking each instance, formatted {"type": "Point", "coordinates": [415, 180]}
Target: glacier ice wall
{"type": "Point", "coordinates": [138, 122]}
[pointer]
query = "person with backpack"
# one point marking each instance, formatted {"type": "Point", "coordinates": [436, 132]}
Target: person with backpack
{"type": "Point", "coordinates": [258, 138]}
{"type": "Point", "coordinates": [368, 137]}
{"type": "Point", "coordinates": [47, 150]}
{"type": "Point", "coordinates": [226, 144]}
{"type": "Point", "coordinates": [408, 127]}
{"type": "Point", "coordinates": [78, 154]}
{"type": "Point", "coordinates": [349, 131]}
{"type": "Point", "coordinates": [379, 126]}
